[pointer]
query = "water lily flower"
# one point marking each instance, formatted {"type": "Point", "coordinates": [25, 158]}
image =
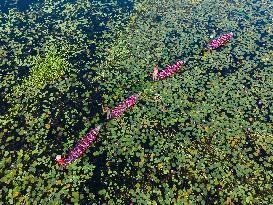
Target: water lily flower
{"type": "Point", "coordinates": [215, 43]}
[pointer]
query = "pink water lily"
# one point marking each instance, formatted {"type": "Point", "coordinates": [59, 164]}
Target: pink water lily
{"type": "Point", "coordinates": [215, 43]}
{"type": "Point", "coordinates": [167, 71]}
{"type": "Point", "coordinates": [122, 107]}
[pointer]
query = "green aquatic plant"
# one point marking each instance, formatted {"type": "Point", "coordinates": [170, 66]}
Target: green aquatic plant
{"type": "Point", "coordinates": [44, 71]}
{"type": "Point", "coordinates": [37, 123]}
{"type": "Point", "coordinates": [189, 140]}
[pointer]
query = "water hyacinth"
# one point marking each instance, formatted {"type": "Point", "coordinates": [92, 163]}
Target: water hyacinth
{"type": "Point", "coordinates": [80, 148]}
{"type": "Point", "coordinates": [122, 107]}
{"type": "Point", "coordinates": [167, 71]}
{"type": "Point", "coordinates": [215, 43]}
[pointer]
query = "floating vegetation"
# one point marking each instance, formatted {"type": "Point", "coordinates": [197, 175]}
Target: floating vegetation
{"type": "Point", "coordinates": [201, 136]}
{"type": "Point", "coordinates": [186, 142]}
{"type": "Point", "coordinates": [45, 70]}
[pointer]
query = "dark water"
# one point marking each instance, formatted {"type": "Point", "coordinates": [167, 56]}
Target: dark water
{"type": "Point", "coordinates": [21, 5]}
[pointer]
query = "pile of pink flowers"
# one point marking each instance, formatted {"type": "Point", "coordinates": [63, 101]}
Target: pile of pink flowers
{"type": "Point", "coordinates": [122, 107]}
{"type": "Point", "coordinates": [167, 71]}
{"type": "Point", "coordinates": [216, 43]}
